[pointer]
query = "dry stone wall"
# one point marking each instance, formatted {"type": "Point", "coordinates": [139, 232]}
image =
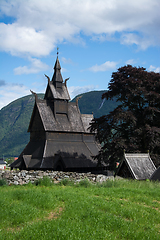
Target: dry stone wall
{"type": "Point", "coordinates": [24, 177]}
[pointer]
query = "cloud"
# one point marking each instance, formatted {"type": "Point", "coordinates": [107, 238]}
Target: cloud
{"type": "Point", "coordinates": [141, 41]}
{"type": "Point", "coordinates": [35, 67]}
{"type": "Point", "coordinates": [10, 92]}
{"type": "Point", "coordinates": [154, 69]}
{"type": "Point", "coordinates": [39, 25]}
{"type": "Point", "coordinates": [2, 83]}
{"type": "Point", "coordinates": [64, 70]}
{"type": "Point", "coordinates": [74, 91]}
{"type": "Point", "coordinates": [24, 40]}
{"type": "Point", "coordinates": [130, 62]}
{"type": "Point", "coordinates": [66, 61]}
{"type": "Point", "coordinates": [103, 67]}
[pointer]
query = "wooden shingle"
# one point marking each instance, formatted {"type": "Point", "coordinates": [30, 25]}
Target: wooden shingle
{"type": "Point", "coordinates": [136, 165]}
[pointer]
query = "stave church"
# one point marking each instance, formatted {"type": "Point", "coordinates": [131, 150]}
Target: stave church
{"type": "Point", "coordinates": [59, 135]}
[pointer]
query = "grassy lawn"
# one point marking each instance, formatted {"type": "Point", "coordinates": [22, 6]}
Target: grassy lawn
{"type": "Point", "coordinates": [118, 209]}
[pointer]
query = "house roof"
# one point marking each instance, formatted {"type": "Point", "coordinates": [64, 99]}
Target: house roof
{"type": "Point", "coordinates": [2, 162]}
{"type": "Point", "coordinates": [140, 165]}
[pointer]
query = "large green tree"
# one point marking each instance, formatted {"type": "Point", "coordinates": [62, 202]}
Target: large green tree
{"type": "Point", "coordinates": [135, 124]}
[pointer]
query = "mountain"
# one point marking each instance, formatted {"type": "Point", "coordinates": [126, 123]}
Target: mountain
{"type": "Point", "coordinates": [91, 102]}
{"type": "Point", "coordinates": [14, 121]}
{"type": "Point", "coordinates": [15, 118]}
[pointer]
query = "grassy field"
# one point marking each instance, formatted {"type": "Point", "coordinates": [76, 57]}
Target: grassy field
{"type": "Point", "coordinates": [118, 209]}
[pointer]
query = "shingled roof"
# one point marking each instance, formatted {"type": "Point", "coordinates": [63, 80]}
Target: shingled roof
{"type": "Point", "coordinates": [136, 165]}
{"type": "Point", "coordinates": [70, 122]}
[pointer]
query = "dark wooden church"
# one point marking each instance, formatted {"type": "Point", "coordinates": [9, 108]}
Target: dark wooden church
{"type": "Point", "coordinates": [59, 135]}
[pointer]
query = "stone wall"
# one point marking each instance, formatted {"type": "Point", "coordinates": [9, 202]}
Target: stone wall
{"type": "Point", "coordinates": [24, 177]}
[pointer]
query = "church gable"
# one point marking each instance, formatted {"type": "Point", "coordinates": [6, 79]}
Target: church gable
{"type": "Point", "coordinates": [36, 123]}
{"type": "Point", "coordinates": [48, 94]}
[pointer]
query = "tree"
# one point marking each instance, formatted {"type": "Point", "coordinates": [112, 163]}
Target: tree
{"type": "Point", "coordinates": [134, 125]}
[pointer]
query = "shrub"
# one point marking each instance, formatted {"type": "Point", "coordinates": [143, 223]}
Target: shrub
{"type": "Point", "coordinates": [45, 181]}
{"type": "Point", "coordinates": [85, 183]}
{"type": "Point", "coordinates": [66, 182]}
{"type": "Point", "coordinates": [3, 182]}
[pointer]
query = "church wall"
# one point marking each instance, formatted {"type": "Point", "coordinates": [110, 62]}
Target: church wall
{"type": "Point", "coordinates": [37, 135]}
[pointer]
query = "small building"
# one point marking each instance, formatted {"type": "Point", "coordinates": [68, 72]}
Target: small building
{"type": "Point", "coordinates": [136, 166]}
{"type": "Point", "coordinates": [2, 164]}
{"type": "Point", "coordinates": [59, 135]}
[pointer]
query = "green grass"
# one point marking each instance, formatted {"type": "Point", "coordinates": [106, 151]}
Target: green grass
{"type": "Point", "coordinates": [119, 209]}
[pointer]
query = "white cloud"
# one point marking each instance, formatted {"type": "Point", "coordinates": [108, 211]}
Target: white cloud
{"type": "Point", "coordinates": [141, 41]}
{"type": "Point", "coordinates": [103, 67]}
{"type": "Point", "coordinates": [66, 61]}
{"type": "Point", "coordinates": [154, 69]}
{"type": "Point", "coordinates": [74, 91]}
{"type": "Point", "coordinates": [35, 67]}
{"type": "Point", "coordinates": [130, 61]}
{"type": "Point", "coordinates": [40, 25]}
{"type": "Point", "coordinates": [64, 70]}
{"type": "Point", "coordinates": [24, 40]}
{"type": "Point", "coordinates": [9, 93]}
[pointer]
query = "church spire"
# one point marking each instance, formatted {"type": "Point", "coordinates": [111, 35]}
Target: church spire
{"type": "Point", "coordinates": [57, 77]}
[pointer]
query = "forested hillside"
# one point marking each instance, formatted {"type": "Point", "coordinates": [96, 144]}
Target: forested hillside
{"type": "Point", "coordinates": [15, 118]}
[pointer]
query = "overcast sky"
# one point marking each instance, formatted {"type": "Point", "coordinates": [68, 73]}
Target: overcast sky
{"type": "Point", "coordinates": [95, 38]}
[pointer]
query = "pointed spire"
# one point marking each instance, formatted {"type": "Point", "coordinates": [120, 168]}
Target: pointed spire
{"type": "Point", "coordinates": [57, 77]}
{"type": "Point", "coordinates": [57, 65]}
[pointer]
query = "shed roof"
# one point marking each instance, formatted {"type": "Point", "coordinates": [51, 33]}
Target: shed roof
{"type": "Point", "coordinates": [140, 165]}
{"type": "Point", "coordinates": [156, 175]}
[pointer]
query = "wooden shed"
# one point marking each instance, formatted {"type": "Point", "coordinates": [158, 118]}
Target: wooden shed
{"type": "Point", "coordinates": [59, 135]}
{"type": "Point", "coordinates": [136, 165]}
